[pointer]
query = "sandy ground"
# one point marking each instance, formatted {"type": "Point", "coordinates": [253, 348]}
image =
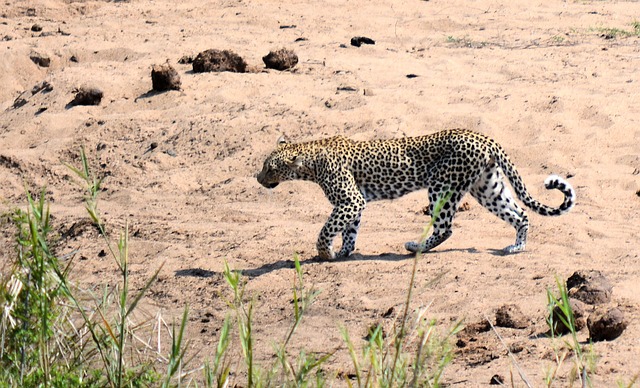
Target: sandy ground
{"type": "Point", "coordinates": [548, 80]}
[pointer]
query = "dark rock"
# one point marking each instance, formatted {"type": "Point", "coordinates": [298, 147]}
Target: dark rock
{"type": "Point", "coordinates": [578, 314]}
{"type": "Point", "coordinates": [165, 77]}
{"type": "Point", "coordinates": [40, 60]}
{"type": "Point", "coordinates": [282, 59]}
{"type": "Point", "coordinates": [606, 324]}
{"type": "Point", "coordinates": [36, 28]}
{"type": "Point", "coordinates": [517, 347]}
{"type": "Point", "coordinates": [496, 380]}
{"type": "Point", "coordinates": [87, 96]}
{"type": "Point", "coordinates": [360, 40]}
{"type": "Point", "coordinates": [19, 102]}
{"type": "Point", "coordinates": [388, 313]}
{"type": "Point", "coordinates": [511, 316]}
{"type": "Point", "coordinates": [218, 61]}
{"type": "Point", "coordinates": [185, 60]}
{"type": "Point", "coordinates": [43, 86]}
{"type": "Point", "coordinates": [590, 287]}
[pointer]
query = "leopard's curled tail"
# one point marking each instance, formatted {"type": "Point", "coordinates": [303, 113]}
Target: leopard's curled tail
{"type": "Point", "coordinates": [552, 182]}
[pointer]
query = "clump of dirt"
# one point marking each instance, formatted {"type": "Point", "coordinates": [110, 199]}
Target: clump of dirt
{"type": "Point", "coordinates": [360, 40]}
{"type": "Point", "coordinates": [164, 77]}
{"type": "Point", "coordinates": [590, 287]}
{"type": "Point", "coordinates": [578, 313]}
{"type": "Point", "coordinates": [282, 59]}
{"type": "Point", "coordinates": [606, 324]}
{"type": "Point", "coordinates": [86, 96]}
{"type": "Point", "coordinates": [465, 207]}
{"type": "Point", "coordinates": [476, 345]}
{"type": "Point", "coordinates": [22, 99]}
{"type": "Point", "coordinates": [40, 59]}
{"type": "Point", "coordinates": [510, 315]}
{"type": "Point", "coordinates": [217, 61]}
{"type": "Point", "coordinates": [480, 326]}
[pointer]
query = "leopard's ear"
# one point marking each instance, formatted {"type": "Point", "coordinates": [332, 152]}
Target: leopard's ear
{"type": "Point", "coordinates": [295, 163]}
{"type": "Point", "coordinates": [282, 140]}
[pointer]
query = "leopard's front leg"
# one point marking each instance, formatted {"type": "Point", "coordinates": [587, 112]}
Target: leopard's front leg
{"type": "Point", "coordinates": [341, 190]}
{"type": "Point", "coordinates": [349, 236]}
{"type": "Point", "coordinates": [344, 219]}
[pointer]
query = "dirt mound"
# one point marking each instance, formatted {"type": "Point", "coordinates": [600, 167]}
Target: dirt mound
{"type": "Point", "coordinates": [216, 61]}
{"type": "Point", "coordinates": [282, 59]}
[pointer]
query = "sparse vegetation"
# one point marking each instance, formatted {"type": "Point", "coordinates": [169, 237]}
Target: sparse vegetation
{"type": "Point", "coordinates": [386, 361]}
{"type": "Point", "coordinates": [584, 363]}
{"type": "Point", "coordinates": [615, 33]}
{"type": "Point", "coordinates": [465, 41]}
{"type": "Point", "coordinates": [55, 334]}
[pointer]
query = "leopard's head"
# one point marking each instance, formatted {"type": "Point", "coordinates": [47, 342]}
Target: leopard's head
{"type": "Point", "coordinates": [284, 164]}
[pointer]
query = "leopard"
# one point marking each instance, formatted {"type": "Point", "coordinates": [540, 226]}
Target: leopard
{"type": "Point", "coordinates": [449, 164]}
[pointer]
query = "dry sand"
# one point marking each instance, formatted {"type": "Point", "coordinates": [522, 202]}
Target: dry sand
{"type": "Point", "coordinates": [547, 80]}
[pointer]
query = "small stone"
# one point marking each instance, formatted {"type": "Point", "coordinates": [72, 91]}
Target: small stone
{"type": "Point", "coordinates": [466, 206]}
{"type": "Point", "coordinates": [36, 28]}
{"type": "Point", "coordinates": [606, 324]}
{"type": "Point", "coordinates": [282, 59]}
{"type": "Point", "coordinates": [185, 60]}
{"type": "Point", "coordinates": [511, 316]}
{"type": "Point", "coordinates": [43, 86]}
{"type": "Point", "coordinates": [40, 60]}
{"type": "Point", "coordinates": [516, 347]}
{"type": "Point", "coordinates": [496, 380]}
{"type": "Point", "coordinates": [19, 102]}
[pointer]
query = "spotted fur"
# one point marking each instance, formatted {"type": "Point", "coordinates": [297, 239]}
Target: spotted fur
{"type": "Point", "coordinates": [448, 164]}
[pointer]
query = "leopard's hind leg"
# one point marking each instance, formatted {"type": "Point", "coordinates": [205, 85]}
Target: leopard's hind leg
{"type": "Point", "coordinates": [442, 222]}
{"type": "Point", "coordinates": [448, 181]}
{"type": "Point", "coordinates": [492, 193]}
